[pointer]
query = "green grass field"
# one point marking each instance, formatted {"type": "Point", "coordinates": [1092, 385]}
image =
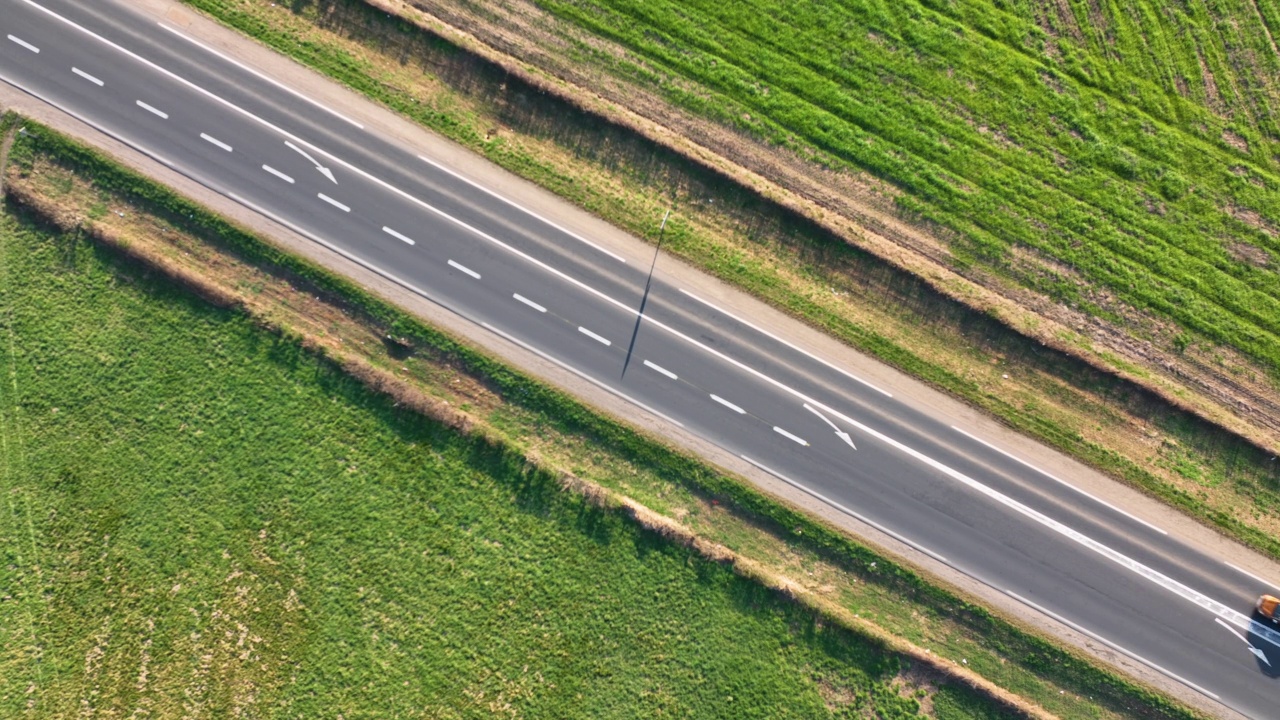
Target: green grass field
{"type": "Point", "coordinates": [202, 519]}
{"type": "Point", "coordinates": [1133, 145]}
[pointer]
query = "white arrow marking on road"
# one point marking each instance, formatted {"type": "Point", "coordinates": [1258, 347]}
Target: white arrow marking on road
{"type": "Point", "coordinates": [323, 170]}
{"type": "Point", "coordinates": [1261, 655]}
{"type": "Point", "coordinates": [839, 433]}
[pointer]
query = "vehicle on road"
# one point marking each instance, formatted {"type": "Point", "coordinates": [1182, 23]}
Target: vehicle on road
{"type": "Point", "coordinates": [1267, 606]}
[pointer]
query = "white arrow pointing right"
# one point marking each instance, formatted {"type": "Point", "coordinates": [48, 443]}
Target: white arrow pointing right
{"type": "Point", "coordinates": [323, 170]}
{"type": "Point", "coordinates": [839, 433]}
{"type": "Point", "coordinates": [1260, 655]}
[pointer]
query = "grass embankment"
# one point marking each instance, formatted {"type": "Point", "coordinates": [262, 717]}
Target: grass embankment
{"type": "Point", "coordinates": [520, 120]}
{"type": "Point", "coordinates": [879, 603]}
{"type": "Point", "coordinates": [1011, 137]}
{"type": "Point", "coordinates": [204, 519]}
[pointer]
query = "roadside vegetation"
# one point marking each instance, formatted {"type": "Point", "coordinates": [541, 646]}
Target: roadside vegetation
{"type": "Point", "coordinates": [1118, 180]}
{"type": "Point", "coordinates": [288, 494]}
{"type": "Point", "coordinates": [1197, 437]}
{"type": "Point", "coordinates": [202, 518]}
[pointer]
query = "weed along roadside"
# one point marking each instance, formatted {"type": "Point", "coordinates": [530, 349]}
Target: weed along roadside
{"type": "Point", "coordinates": [584, 456]}
{"type": "Point", "coordinates": [1040, 375]}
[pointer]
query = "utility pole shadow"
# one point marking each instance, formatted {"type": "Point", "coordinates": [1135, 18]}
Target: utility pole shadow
{"type": "Point", "coordinates": [644, 299]}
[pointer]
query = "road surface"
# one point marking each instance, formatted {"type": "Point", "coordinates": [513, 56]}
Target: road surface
{"type": "Point", "coordinates": [800, 418]}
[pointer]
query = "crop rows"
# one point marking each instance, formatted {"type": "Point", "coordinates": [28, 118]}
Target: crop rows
{"type": "Point", "coordinates": [1004, 133]}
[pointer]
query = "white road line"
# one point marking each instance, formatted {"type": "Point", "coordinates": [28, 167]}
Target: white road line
{"type": "Point", "coordinates": [521, 208]}
{"type": "Point", "coordinates": [583, 375]}
{"type": "Point", "coordinates": [1242, 571]}
{"type": "Point", "coordinates": [528, 302]}
{"type": "Point", "coordinates": [593, 336]}
{"type": "Point", "coordinates": [789, 436]}
{"type": "Point", "coordinates": [798, 349]}
{"type": "Point", "coordinates": [215, 141]}
{"type": "Point", "coordinates": [660, 369]}
{"type": "Point", "coordinates": [152, 110]}
{"type": "Point", "coordinates": [278, 174]}
{"type": "Point", "coordinates": [1168, 584]}
{"type": "Point", "coordinates": [728, 404]}
{"type": "Point", "coordinates": [25, 44]}
{"type": "Point", "coordinates": [87, 76]}
{"type": "Point", "coordinates": [333, 202]}
{"type": "Point", "coordinates": [260, 76]}
{"type": "Point", "coordinates": [1059, 480]}
{"type": "Point", "coordinates": [1081, 629]}
{"type": "Point", "coordinates": [852, 513]}
{"type": "Point", "coordinates": [463, 268]}
{"type": "Point", "coordinates": [1165, 583]}
{"type": "Point", "coordinates": [397, 235]}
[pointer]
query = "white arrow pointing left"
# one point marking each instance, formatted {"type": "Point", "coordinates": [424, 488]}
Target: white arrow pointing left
{"type": "Point", "coordinates": [323, 170]}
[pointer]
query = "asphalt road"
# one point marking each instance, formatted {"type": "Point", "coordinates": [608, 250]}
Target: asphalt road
{"type": "Point", "coordinates": [949, 494]}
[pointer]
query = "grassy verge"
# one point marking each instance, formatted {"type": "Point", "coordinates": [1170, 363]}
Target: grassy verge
{"type": "Point", "coordinates": [843, 582]}
{"type": "Point", "coordinates": [1092, 414]}
{"type": "Point", "coordinates": [1005, 137]}
{"type": "Point", "coordinates": [204, 518]}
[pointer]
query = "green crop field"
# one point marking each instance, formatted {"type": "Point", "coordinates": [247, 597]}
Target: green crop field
{"type": "Point", "coordinates": [201, 519]}
{"type": "Point", "coordinates": [1130, 149]}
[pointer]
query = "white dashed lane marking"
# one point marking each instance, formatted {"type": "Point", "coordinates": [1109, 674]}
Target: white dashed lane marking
{"type": "Point", "coordinates": [529, 302]}
{"type": "Point", "coordinates": [464, 269]}
{"type": "Point", "coordinates": [398, 236]}
{"type": "Point", "coordinates": [25, 44]}
{"type": "Point", "coordinates": [661, 370]}
{"type": "Point", "coordinates": [215, 141]}
{"type": "Point", "coordinates": [728, 404]}
{"type": "Point", "coordinates": [333, 202]}
{"type": "Point", "coordinates": [791, 437]}
{"type": "Point", "coordinates": [87, 76]}
{"type": "Point", "coordinates": [593, 336]}
{"type": "Point", "coordinates": [278, 174]}
{"type": "Point", "coordinates": [153, 110]}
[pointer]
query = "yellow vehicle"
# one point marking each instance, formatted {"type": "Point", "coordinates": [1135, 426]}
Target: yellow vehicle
{"type": "Point", "coordinates": [1267, 606]}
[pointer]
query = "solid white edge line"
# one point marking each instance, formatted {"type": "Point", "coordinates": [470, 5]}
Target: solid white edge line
{"type": "Point", "coordinates": [1059, 480]}
{"type": "Point", "coordinates": [789, 436]}
{"type": "Point", "coordinates": [661, 370]}
{"type": "Point", "coordinates": [397, 235]}
{"type": "Point", "coordinates": [464, 269]}
{"type": "Point", "coordinates": [87, 76]}
{"type": "Point", "coordinates": [1134, 656]}
{"type": "Point", "coordinates": [593, 336]}
{"type": "Point", "coordinates": [521, 208]}
{"type": "Point", "coordinates": [1242, 571]}
{"type": "Point", "coordinates": [25, 44]}
{"type": "Point", "coordinates": [278, 174]}
{"type": "Point", "coordinates": [1164, 582]}
{"type": "Point", "coordinates": [153, 110]}
{"type": "Point", "coordinates": [528, 302]}
{"type": "Point", "coordinates": [259, 75]}
{"type": "Point", "coordinates": [215, 141]}
{"type": "Point", "coordinates": [583, 375]}
{"type": "Point", "coordinates": [852, 513]}
{"type": "Point", "coordinates": [333, 202]}
{"type": "Point", "coordinates": [793, 346]}
{"type": "Point", "coordinates": [728, 404]}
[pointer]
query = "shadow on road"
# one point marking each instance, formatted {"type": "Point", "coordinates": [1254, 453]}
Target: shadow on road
{"type": "Point", "coordinates": [1265, 642]}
